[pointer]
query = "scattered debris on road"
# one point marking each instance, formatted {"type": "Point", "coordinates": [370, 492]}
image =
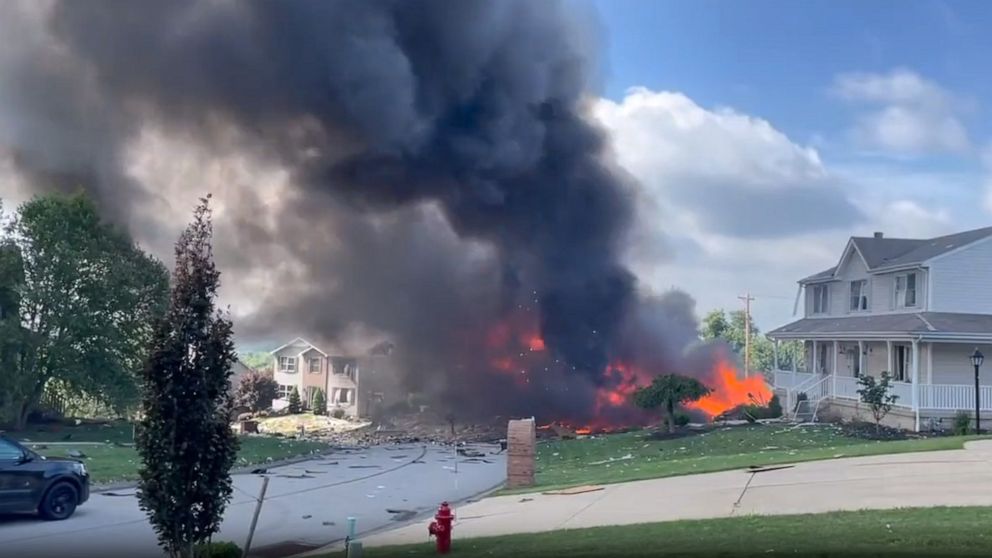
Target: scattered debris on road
{"type": "Point", "coordinates": [574, 490]}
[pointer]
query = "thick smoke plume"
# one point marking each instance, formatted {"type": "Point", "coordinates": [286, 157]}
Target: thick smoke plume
{"type": "Point", "coordinates": [448, 190]}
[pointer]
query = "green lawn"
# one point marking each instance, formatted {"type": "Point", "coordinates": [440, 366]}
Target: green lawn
{"type": "Point", "coordinates": [921, 532]}
{"type": "Point", "coordinates": [112, 462]}
{"type": "Point", "coordinates": [564, 463]}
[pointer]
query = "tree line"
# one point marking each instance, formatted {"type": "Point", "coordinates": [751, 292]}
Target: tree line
{"type": "Point", "coordinates": [78, 300]}
{"type": "Point", "coordinates": [730, 327]}
{"type": "Point", "coordinates": [85, 310]}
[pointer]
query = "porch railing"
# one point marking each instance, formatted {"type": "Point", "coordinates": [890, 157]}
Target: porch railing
{"type": "Point", "coordinates": [937, 397]}
{"type": "Point", "coordinates": [847, 387]}
{"type": "Point", "coordinates": [788, 379]}
{"type": "Point", "coordinates": [950, 397]}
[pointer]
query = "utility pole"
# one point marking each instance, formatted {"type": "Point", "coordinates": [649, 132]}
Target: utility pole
{"type": "Point", "coordinates": [747, 298]}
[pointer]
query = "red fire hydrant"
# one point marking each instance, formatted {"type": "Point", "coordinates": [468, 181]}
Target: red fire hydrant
{"type": "Point", "coordinates": [441, 528]}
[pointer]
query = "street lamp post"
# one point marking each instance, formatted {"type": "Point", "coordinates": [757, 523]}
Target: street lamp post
{"type": "Point", "coordinates": [976, 359]}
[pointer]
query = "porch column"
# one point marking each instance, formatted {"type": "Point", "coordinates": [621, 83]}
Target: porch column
{"type": "Point", "coordinates": [815, 354]}
{"type": "Point", "coordinates": [833, 372]}
{"type": "Point", "coordinates": [775, 355]}
{"type": "Point", "coordinates": [930, 362]}
{"type": "Point", "coordinates": [888, 350]}
{"type": "Point", "coordinates": [916, 383]}
{"type": "Point", "coordinates": [795, 359]}
{"type": "Point", "coordinates": [861, 357]}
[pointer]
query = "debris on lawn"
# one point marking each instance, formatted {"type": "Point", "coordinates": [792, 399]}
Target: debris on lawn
{"type": "Point", "coordinates": [313, 425]}
{"type": "Point", "coordinates": [574, 490]}
{"type": "Point", "coordinates": [76, 454]}
{"type": "Point", "coordinates": [614, 459]}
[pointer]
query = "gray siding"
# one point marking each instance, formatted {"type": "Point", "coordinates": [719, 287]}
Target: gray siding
{"type": "Point", "coordinates": [883, 286]}
{"type": "Point", "coordinates": [952, 364]}
{"type": "Point", "coordinates": [962, 279]}
{"type": "Point", "coordinates": [853, 269]}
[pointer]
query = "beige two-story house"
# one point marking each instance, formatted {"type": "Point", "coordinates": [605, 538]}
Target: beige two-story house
{"type": "Point", "coordinates": [917, 308]}
{"type": "Point", "coordinates": [306, 367]}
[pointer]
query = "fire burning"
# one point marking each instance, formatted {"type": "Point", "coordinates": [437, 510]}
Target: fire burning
{"type": "Point", "coordinates": [730, 391]}
{"type": "Point", "coordinates": [530, 362]}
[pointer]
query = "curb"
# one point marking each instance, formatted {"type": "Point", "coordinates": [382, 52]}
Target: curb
{"type": "Point", "coordinates": [421, 516]}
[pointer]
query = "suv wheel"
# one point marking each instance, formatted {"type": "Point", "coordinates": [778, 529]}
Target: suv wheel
{"type": "Point", "coordinates": [59, 502]}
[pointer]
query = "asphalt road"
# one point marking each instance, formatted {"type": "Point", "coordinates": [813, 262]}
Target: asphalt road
{"type": "Point", "coordinates": [306, 506]}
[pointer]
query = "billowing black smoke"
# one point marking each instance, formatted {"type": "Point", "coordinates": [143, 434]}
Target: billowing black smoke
{"type": "Point", "coordinates": [448, 178]}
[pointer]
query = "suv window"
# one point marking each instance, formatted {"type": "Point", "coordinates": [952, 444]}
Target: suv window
{"type": "Point", "coordinates": [9, 452]}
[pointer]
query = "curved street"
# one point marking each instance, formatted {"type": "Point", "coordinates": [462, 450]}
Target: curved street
{"type": "Point", "coordinates": [306, 506]}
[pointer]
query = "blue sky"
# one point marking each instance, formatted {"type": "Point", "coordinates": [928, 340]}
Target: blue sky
{"type": "Point", "coordinates": [862, 116]}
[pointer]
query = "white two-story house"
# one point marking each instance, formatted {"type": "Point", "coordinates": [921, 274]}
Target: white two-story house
{"type": "Point", "coordinates": [917, 308]}
{"type": "Point", "coordinates": [302, 365]}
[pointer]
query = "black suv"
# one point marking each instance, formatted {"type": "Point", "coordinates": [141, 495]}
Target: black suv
{"type": "Point", "coordinates": [29, 482]}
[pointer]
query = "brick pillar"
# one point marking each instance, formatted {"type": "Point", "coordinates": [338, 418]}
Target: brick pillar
{"type": "Point", "coordinates": [521, 445]}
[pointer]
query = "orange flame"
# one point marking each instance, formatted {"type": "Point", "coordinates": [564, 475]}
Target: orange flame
{"type": "Point", "coordinates": [535, 343]}
{"type": "Point", "coordinates": [729, 391]}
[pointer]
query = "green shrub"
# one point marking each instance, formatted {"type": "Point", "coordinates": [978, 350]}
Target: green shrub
{"type": "Point", "coordinates": [962, 422]}
{"type": "Point", "coordinates": [223, 549]}
{"type": "Point", "coordinates": [681, 419]}
{"type": "Point", "coordinates": [774, 407]}
{"type": "Point", "coordinates": [319, 403]}
{"type": "Point", "coordinates": [758, 412]}
{"type": "Point", "coordinates": [338, 413]}
{"type": "Point", "coordinates": [295, 405]}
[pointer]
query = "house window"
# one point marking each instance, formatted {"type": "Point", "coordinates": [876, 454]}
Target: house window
{"type": "Point", "coordinates": [287, 364]}
{"type": "Point", "coordinates": [344, 367]}
{"type": "Point", "coordinates": [820, 299]}
{"type": "Point", "coordinates": [283, 391]}
{"type": "Point", "coordinates": [906, 290]}
{"type": "Point", "coordinates": [859, 295]}
{"type": "Point", "coordinates": [903, 363]}
{"type": "Point", "coordinates": [343, 396]}
{"type": "Point", "coordinates": [315, 366]}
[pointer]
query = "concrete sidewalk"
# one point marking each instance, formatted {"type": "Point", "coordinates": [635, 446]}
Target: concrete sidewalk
{"type": "Point", "coordinates": [945, 478]}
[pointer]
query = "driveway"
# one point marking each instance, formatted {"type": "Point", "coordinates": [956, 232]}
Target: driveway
{"type": "Point", "coordinates": [945, 478]}
{"type": "Point", "coordinates": [307, 504]}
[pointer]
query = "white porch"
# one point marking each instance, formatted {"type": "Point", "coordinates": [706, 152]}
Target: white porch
{"type": "Point", "coordinates": [932, 378]}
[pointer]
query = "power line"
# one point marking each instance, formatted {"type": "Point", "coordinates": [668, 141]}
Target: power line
{"type": "Point", "coordinates": [747, 298]}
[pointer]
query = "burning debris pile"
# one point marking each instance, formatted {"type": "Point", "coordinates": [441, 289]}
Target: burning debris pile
{"type": "Point", "coordinates": [444, 185]}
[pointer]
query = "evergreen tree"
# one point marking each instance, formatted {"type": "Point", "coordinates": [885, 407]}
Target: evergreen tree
{"type": "Point", "coordinates": [319, 403]}
{"type": "Point", "coordinates": [184, 438]}
{"type": "Point", "coordinates": [295, 406]}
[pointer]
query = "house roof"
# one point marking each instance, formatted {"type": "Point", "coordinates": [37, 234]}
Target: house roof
{"type": "Point", "coordinates": [934, 247]}
{"type": "Point", "coordinates": [880, 251]}
{"type": "Point", "coordinates": [883, 253]}
{"type": "Point", "coordinates": [298, 341]}
{"type": "Point", "coordinates": [933, 325]}
{"type": "Point", "coordinates": [825, 274]}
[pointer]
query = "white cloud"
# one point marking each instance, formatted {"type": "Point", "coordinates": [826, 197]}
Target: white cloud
{"type": "Point", "coordinates": [737, 205]}
{"type": "Point", "coordinates": [720, 170]}
{"type": "Point", "coordinates": [910, 114]}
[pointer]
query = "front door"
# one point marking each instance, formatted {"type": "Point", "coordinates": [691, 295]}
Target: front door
{"type": "Point", "coordinates": [903, 363]}
{"type": "Point", "coordinates": [854, 362]}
